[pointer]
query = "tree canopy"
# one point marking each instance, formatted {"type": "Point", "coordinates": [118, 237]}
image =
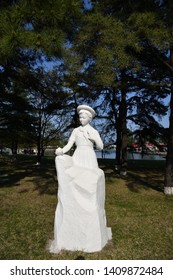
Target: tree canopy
{"type": "Point", "coordinates": [115, 55]}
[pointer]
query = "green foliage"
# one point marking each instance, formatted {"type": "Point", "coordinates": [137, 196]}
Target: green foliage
{"type": "Point", "coordinates": [106, 39]}
{"type": "Point", "coordinates": [23, 24]}
{"type": "Point", "coordinates": [113, 53]}
{"type": "Point", "coordinates": [29, 32]}
{"type": "Point", "coordinates": [149, 26]}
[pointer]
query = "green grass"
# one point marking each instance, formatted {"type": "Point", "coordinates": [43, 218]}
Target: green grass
{"type": "Point", "coordinates": [140, 215]}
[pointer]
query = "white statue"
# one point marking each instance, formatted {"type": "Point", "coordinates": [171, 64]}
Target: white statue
{"type": "Point", "coordinates": [80, 221]}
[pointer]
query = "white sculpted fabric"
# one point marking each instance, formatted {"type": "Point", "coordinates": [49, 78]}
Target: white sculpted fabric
{"type": "Point", "coordinates": [80, 220]}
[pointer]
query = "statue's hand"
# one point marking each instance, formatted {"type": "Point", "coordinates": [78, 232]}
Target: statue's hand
{"type": "Point", "coordinates": [59, 152]}
{"type": "Point", "coordinates": [91, 137]}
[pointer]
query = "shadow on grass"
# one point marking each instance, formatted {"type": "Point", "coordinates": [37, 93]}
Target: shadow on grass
{"type": "Point", "coordinates": [14, 169]}
{"type": "Point", "coordinates": [146, 174]}
{"type": "Point", "coordinates": [23, 170]}
{"type": "Point", "coordinates": [135, 181]}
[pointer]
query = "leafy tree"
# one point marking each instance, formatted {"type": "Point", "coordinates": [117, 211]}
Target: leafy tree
{"type": "Point", "coordinates": [154, 29]}
{"type": "Point", "coordinates": [45, 98]}
{"type": "Point", "coordinates": [15, 108]}
{"type": "Point", "coordinates": [112, 59]}
{"type": "Point", "coordinates": [41, 25]}
{"type": "Point", "coordinates": [26, 28]}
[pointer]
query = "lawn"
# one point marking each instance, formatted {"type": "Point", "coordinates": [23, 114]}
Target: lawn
{"type": "Point", "coordinates": [140, 215]}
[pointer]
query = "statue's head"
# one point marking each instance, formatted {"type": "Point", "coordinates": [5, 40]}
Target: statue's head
{"type": "Point", "coordinates": [86, 114]}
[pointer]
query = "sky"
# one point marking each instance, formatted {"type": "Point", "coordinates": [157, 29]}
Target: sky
{"type": "Point", "coordinates": [165, 120]}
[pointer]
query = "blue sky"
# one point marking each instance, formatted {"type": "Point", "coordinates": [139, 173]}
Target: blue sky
{"type": "Point", "coordinates": [165, 120]}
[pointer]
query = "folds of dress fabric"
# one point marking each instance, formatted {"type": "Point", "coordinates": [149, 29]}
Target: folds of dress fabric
{"type": "Point", "coordinates": [80, 220]}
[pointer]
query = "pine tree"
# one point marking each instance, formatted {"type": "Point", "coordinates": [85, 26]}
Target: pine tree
{"type": "Point", "coordinates": [112, 56]}
{"type": "Point", "coordinates": [155, 27]}
{"type": "Point", "coordinates": [30, 28]}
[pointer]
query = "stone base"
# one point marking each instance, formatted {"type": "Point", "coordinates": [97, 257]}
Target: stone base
{"type": "Point", "coordinates": [168, 190]}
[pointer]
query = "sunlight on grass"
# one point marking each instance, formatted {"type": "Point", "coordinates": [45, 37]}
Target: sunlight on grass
{"type": "Point", "coordinates": [138, 212]}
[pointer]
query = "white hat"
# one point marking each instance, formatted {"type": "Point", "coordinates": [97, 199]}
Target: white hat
{"type": "Point", "coordinates": [86, 108]}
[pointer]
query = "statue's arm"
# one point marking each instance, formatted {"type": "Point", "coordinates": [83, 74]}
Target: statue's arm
{"type": "Point", "coordinates": [98, 141]}
{"type": "Point", "coordinates": [66, 148]}
{"type": "Point", "coordinates": [95, 137]}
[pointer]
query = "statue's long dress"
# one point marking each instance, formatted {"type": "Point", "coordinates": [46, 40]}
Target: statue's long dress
{"type": "Point", "coordinates": [80, 220]}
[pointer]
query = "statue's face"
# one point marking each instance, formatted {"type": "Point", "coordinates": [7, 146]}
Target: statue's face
{"type": "Point", "coordinates": [84, 118]}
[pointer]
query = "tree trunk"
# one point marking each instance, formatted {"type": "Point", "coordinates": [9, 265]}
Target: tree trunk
{"type": "Point", "coordinates": [38, 153]}
{"type": "Point", "coordinates": [118, 145]}
{"type": "Point", "coordinates": [117, 126]}
{"type": "Point", "coordinates": [168, 188]}
{"type": "Point", "coordinates": [123, 169]}
{"type": "Point", "coordinates": [39, 140]}
{"type": "Point", "coordinates": [14, 147]}
{"type": "Point", "coordinates": [121, 143]}
{"type": "Point", "coordinates": [42, 152]}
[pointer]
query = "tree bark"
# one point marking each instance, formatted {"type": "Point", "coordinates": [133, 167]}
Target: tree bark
{"type": "Point", "coordinates": [14, 147]}
{"type": "Point", "coordinates": [123, 169]}
{"type": "Point", "coordinates": [117, 126]}
{"type": "Point", "coordinates": [118, 144]}
{"type": "Point", "coordinates": [121, 143]}
{"type": "Point", "coordinates": [168, 188]}
{"type": "Point", "coordinates": [39, 140]}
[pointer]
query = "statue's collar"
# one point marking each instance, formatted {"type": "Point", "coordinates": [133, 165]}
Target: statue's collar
{"type": "Point", "coordinates": [87, 127]}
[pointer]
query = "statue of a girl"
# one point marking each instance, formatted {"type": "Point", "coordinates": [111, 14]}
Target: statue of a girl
{"type": "Point", "coordinates": [80, 220]}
